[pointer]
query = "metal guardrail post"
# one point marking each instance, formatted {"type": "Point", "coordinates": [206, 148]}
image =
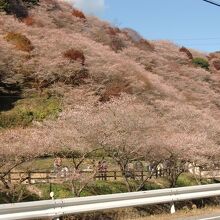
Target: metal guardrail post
{"type": "Point", "coordinates": [172, 209]}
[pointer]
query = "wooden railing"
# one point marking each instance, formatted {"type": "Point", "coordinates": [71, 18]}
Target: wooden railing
{"type": "Point", "coordinates": [48, 176]}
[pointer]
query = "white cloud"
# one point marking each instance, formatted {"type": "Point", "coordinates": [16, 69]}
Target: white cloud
{"type": "Point", "coordinates": [89, 6]}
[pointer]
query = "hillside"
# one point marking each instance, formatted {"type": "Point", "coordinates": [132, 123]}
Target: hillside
{"type": "Point", "coordinates": [60, 68]}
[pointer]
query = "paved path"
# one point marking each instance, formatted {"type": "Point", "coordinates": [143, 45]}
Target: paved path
{"type": "Point", "coordinates": [203, 217]}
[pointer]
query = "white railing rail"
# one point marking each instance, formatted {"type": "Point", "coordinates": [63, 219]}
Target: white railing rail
{"type": "Point", "coordinates": [61, 207]}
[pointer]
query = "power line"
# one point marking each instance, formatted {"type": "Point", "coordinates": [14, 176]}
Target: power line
{"type": "Point", "coordinates": [217, 44]}
{"type": "Point", "coordinates": [198, 44]}
{"type": "Point", "coordinates": [197, 39]}
{"type": "Point", "coordinates": [212, 2]}
{"type": "Point", "coordinates": [191, 39]}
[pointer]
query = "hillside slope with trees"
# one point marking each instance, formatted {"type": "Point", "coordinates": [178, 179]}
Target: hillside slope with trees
{"type": "Point", "coordinates": [73, 83]}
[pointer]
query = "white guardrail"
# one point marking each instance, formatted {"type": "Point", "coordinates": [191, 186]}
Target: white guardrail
{"type": "Point", "coordinates": [60, 207]}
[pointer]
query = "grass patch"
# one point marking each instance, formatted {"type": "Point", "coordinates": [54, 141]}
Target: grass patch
{"type": "Point", "coordinates": [154, 184]}
{"type": "Point", "coordinates": [60, 190]}
{"type": "Point", "coordinates": [98, 187]}
{"type": "Point", "coordinates": [101, 188]}
{"type": "Point", "coordinates": [187, 179]}
{"type": "Point", "coordinates": [46, 164]}
{"type": "Point", "coordinates": [29, 109]}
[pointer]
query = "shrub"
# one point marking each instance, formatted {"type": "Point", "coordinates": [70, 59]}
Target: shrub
{"type": "Point", "coordinates": [113, 31]}
{"type": "Point", "coordinates": [132, 35]}
{"type": "Point", "coordinates": [79, 77]}
{"type": "Point", "coordinates": [79, 14]}
{"type": "Point", "coordinates": [144, 45]}
{"type": "Point", "coordinates": [117, 44]}
{"type": "Point", "coordinates": [20, 41]}
{"type": "Point", "coordinates": [18, 8]}
{"type": "Point", "coordinates": [199, 61]}
{"type": "Point", "coordinates": [15, 7]}
{"type": "Point", "coordinates": [75, 55]}
{"type": "Point", "coordinates": [30, 3]}
{"type": "Point", "coordinates": [76, 78]}
{"type": "Point", "coordinates": [3, 5]}
{"type": "Point", "coordinates": [29, 21]}
{"type": "Point", "coordinates": [114, 89]}
{"type": "Point", "coordinates": [216, 64]}
{"type": "Point", "coordinates": [186, 179]}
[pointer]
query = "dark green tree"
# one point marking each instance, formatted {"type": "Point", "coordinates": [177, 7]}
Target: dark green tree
{"type": "Point", "coordinates": [19, 8]}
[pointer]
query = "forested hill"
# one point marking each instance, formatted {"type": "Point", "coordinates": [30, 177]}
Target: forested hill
{"type": "Point", "coordinates": [61, 68]}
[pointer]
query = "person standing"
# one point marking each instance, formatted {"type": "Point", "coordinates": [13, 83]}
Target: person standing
{"type": "Point", "coordinates": [57, 164]}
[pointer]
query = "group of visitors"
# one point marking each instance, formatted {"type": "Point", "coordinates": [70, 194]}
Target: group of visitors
{"type": "Point", "coordinates": [102, 169]}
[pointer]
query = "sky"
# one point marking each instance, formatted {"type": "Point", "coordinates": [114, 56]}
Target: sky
{"type": "Point", "coordinates": [190, 23]}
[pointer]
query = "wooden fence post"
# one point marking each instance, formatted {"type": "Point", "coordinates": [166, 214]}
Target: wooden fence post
{"type": "Point", "coordinates": [162, 172]}
{"type": "Point", "coordinates": [142, 175]}
{"type": "Point", "coordinates": [29, 177]}
{"type": "Point", "coordinates": [47, 177]}
{"type": "Point", "coordinates": [9, 177]}
{"type": "Point", "coordinates": [200, 174]}
{"type": "Point", "coordinates": [105, 173]}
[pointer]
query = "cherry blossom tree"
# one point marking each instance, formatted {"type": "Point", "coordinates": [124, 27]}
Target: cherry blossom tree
{"type": "Point", "coordinates": [122, 127]}
{"type": "Point", "coordinates": [188, 136]}
{"type": "Point", "coordinates": [16, 150]}
{"type": "Point", "coordinates": [127, 128]}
